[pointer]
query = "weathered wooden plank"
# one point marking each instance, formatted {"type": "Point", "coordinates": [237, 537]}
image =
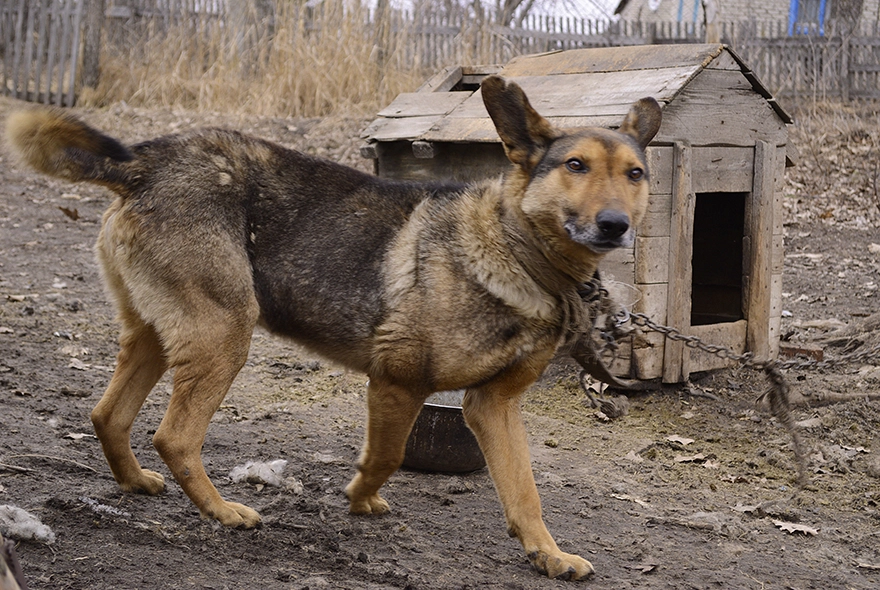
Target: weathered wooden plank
{"type": "Point", "coordinates": [652, 259]}
{"type": "Point", "coordinates": [760, 230]}
{"type": "Point", "coordinates": [443, 81]}
{"type": "Point", "coordinates": [421, 104]}
{"type": "Point", "coordinates": [660, 169]}
{"type": "Point", "coordinates": [778, 256]}
{"type": "Point", "coordinates": [64, 10]}
{"type": "Point", "coordinates": [613, 59]}
{"type": "Point", "coordinates": [724, 61]}
{"type": "Point", "coordinates": [778, 192]}
{"type": "Point", "coordinates": [590, 95]}
{"type": "Point", "coordinates": [730, 334]}
{"type": "Point", "coordinates": [678, 311]}
{"type": "Point", "coordinates": [721, 108]}
{"type": "Point", "coordinates": [618, 266]}
{"type": "Point", "coordinates": [28, 50]}
{"type": "Point", "coordinates": [454, 129]}
{"type": "Point", "coordinates": [461, 162]}
{"type": "Point", "coordinates": [655, 224]}
{"type": "Point", "coordinates": [76, 25]}
{"type": "Point", "coordinates": [388, 129]}
{"type": "Point", "coordinates": [18, 50]}
{"type": "Point", "coordinates": [647, 356]}
{"type": "Point", "coordinates": [648, 348]}
{"type": "Point", "coordinates": [723, 169]}
{"type": "Point", "coordinates": [55, 19]}
{"type": "Point", "coordinates": [42, 53]}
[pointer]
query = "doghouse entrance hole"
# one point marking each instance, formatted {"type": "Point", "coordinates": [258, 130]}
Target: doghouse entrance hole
{"type": "Point", "coordinates": [717, 260]}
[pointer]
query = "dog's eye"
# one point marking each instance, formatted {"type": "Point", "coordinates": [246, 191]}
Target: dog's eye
{"type": "Point", "coordinates": [575, 165]}
{"type": "Point", "coordinates": [636, 174]}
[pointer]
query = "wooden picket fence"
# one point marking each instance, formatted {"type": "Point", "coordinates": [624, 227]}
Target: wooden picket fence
{"type": "Point", "coordinates": [42, 42]}
{"type": "Point", "coordinates": [50, 48]}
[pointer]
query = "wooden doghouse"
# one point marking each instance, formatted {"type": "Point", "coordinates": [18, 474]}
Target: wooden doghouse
{"type": "Point", "coordinates": [708, 256]}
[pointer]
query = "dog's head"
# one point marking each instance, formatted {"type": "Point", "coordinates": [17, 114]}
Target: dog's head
{"type": "Point", "coordinates": [584, 191]}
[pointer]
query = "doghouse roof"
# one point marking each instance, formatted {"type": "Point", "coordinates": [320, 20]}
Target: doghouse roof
{"type": "Point", "coordinates": [598, 88]}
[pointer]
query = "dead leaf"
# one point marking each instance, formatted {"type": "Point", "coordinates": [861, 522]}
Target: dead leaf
{"type": "Point", "coordinates": [72, 213]}
{"type": "Point", "coordinates": [79, 435]}
{"type": "Point", "coordinates": [868, 566]}
{"type": "Point", "coordinates": [680, 440]}
{"type": "Point", "coordinates": [77, 364]}
{"type": "Point", "coordinates": [809, 423]}
{"type": "Point", "coordinates": [698, 458]}
{"type": "Point", "coordinates": [792, 528]}
{"type": "Point", "coordinates": [5, 330]}
{"type": "Point", "coordinates": [628, 498]}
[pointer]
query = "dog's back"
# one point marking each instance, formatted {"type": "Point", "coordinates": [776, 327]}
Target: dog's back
{"type": "Point", "coordinates": [314, 233]}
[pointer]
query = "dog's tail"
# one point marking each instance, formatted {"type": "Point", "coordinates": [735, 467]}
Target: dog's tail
{"type": "Point", "coordinates": [57, 143]}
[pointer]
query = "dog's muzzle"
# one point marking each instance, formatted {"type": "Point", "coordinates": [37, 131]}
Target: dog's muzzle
{"type": "Point", "coordinates": [611, 230]}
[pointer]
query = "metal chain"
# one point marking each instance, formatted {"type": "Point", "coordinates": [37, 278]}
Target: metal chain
{"type": "Point", "coordinates": [615, 327]}
{"type": "Point", "coordinates": [747, 359]}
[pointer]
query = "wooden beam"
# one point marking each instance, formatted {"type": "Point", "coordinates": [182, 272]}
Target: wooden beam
{"type": "Point", "coordinates": [676, 358]}
{"type": "Point", "coordinates": [760, 232]}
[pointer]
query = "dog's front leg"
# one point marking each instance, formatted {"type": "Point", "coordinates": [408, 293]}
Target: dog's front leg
{"type": "Point", "coordinates": [493, 412]}
{"type": "Point", "coordinates": [391, 413]}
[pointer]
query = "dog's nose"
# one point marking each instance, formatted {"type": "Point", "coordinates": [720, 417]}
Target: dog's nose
{"type": "Point", "coordinates": [612, 224]}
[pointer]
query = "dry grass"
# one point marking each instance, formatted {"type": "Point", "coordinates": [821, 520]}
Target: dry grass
{"type": "Point", "coordinates": [297, 70]}
{"type": "Point", "coordinates": [837, 177]}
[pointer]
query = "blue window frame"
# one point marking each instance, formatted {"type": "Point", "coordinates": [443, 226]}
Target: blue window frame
{"type": "Point", "coordinates": [806, 17]}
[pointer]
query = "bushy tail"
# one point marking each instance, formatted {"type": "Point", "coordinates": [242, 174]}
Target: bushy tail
{"type": "Point", "coordinates": [57, 143]}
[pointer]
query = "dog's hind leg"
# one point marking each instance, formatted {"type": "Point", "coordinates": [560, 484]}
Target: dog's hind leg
{"type": "Point", "coordinates": [139, 365]}
{"type": "Point", "coordinates": [391, 413]}
{"type": "Point", "coordinates": [493, 412]}
{"type": "Point", "coordinates": [207, 351]}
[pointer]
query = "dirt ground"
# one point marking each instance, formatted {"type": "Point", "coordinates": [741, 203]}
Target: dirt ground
{"type": "Point", "coordinates": [692, 489]}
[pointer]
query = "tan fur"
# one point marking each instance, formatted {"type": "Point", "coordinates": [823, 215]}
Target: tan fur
{"type": "Point", "coordinates": [422, 287]}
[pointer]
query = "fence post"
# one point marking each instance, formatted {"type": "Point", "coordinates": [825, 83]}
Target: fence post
{"type": "Point", "coordinates": [844, 68]}
{"type": "Point", "coordinates": [92, 43]}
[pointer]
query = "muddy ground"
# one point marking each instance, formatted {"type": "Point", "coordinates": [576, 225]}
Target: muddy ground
{"type": "Point", "coordinates": [646, 510]}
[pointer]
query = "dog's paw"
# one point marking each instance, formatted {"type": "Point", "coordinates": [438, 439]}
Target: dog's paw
{"type": "Point", "coordinates": [234, 515]}
{"type": "Point", "coordinates": [561, 566]}
{"type": "Point", "coordinates": [148, 482]}
{"type": "Point", "coordinates": [374, 504]}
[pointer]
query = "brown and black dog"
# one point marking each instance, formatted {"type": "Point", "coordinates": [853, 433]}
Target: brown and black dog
{"type": "Point", "coordinates": [423, 287]}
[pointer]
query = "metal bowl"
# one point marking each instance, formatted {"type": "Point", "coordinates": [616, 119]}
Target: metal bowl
{"type": "Point", "coordinates": [440, 440]}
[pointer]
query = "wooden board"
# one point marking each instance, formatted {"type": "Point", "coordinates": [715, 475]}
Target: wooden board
{"type": "Point", "coordinates": [613, 59]}
{"type": "Point", "coordinates": [420, 104]}
{"type": "Point", "coordinates": [481, 130]}
{"type": "Point", "coordinates": [730, 334]}
{"type": "Point", "coordinates": [591, 94]}
{"type": "Point", "coordinates": [759, 227]}
{"type": "Point", "coordinates": [463, 163]}
{"type": "Point", "coordinates": [443, 81]}
{"type": "Point", "coordinates": [678, 310]}
{"type": "Point", "coordinates": [618, 266]}
{"type": "Point", "coordinates": [660, 169]}
{"type": "Point", "coordinates": [652, 259]}
{"type": "Point", "coordinates": [656, 221]}
{"type": "Point", "coordinates": [720, 108]}
{"type": "Point", "coordinates": [723, 169]}
{"type": "Point", "coordinates": [386, 129]}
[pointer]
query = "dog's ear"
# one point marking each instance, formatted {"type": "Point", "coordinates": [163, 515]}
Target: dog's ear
{"type": "Point", "coordinates": [526, 135]}
{"type": "Point", "coordinates": [643, 121]}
